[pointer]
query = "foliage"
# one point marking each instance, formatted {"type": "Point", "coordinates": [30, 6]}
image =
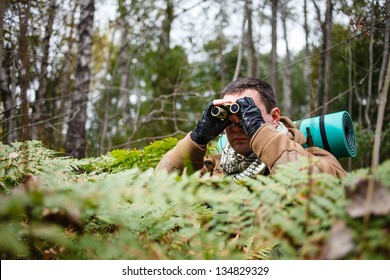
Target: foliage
{"type": "Point", "coordinates": [365, 144]}
{"type": "Point", "coordinates": [118, 160]}
{"type": "Point", "coordinates": [143, 159]}
{"type": "Point", "coordinates": [131, 212]}
{"type": "Point", "coordinates": [20, 160]}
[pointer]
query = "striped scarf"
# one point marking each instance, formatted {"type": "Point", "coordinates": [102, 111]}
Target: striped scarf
{"type": "Point", "coordinates": [239, 166]}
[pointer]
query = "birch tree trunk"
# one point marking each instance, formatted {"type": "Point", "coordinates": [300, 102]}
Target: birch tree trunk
{"type": "Point", "coordinates": [76, 137]}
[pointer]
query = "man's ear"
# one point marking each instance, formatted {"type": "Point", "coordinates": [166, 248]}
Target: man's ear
{"type": "Point", "coordinates": [275, 114]}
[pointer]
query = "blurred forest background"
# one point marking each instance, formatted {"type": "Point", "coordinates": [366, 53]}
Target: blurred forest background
{"type": "Point", "coordinates": [89, 76]}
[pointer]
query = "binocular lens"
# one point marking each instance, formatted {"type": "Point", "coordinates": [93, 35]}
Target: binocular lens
{"type": "Point", "coordinates": [234, 108]}
{"type": "Point", "coordinates": [219, 112]}
{"type": "Point", "coordinates": [215, 111]}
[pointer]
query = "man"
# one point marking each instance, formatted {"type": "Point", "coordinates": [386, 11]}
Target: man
{"type": "Point", "coordinates": [259, 139]}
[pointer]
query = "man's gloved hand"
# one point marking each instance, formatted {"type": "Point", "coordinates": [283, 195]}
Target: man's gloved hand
{"type": "Point", "coordinates": [250, 114]}
{"type": "Point", "coordinates": [208, 127]}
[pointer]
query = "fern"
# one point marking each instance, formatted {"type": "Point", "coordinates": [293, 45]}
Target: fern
{"type": "Point", "coordinates": [114, 207]}
{"type": "Point", "coordinates": [118, 160]}
{"type": "Point", "coordinates": [19, 160]}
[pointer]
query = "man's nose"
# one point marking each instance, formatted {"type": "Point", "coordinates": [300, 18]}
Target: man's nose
{"type": "Point", "coordinates": [236, 127]}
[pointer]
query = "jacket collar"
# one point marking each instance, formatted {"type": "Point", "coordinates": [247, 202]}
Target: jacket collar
{"type": "Point", "coordinates": [294, 133]}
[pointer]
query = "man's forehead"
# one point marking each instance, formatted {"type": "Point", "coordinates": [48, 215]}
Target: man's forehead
{"type": "Point", "coordinates": [247, 92]}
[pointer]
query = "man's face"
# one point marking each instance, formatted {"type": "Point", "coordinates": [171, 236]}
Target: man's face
{"type": "Point", "coordinates": [235, 134]}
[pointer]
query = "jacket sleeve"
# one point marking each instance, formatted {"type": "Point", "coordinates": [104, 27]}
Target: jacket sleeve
{"type": "Point", "coordinates": [186, 154]}
{"type": "Point", "coordinates": [275, 148]}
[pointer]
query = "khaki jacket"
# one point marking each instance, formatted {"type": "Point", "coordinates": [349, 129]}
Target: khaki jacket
{"type": "Point", "coordinates": [272, 147]}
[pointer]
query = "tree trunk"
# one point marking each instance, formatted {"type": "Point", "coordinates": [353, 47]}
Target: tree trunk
{"type": "Point", "coordinates": [314, 83]}
{"type": "Point", "coordinates": [8, 97]}
{"type": "Point", "coordinates": [274, 55]}
{"type": "Point", "coordinates": [350, 93]}
{"type": "Point", "coordinates": [165, 39]}
{"type": "Point", "coordinates": [38, 130]}
{"type": "Point", "coordinates": [239, 55]}
{"type": "Point", "coordinates": [384, 81]}
{"type": "Point", "coordinates": [306, 65]}
{"type": "Point", "coordinates": [319, 83]}
{"type": "Point", "coordinates": [125, 63]}
{"type": "Point", "coordinates": [24, 12]}
{"type": "Point", "coordinates": [65, 83]}
{"type": "Point", "coordinates": [104, 125]}
{"type": "Point", "coordinates": [377, 142]}
{"type": "Point", "coordinates": [287, 70]}
{"type": "Point", "coordinates": [386, 43]}
{"type": "Point", "coordinates": [103, 137]}
{"type": "Point", "coordinates": [222, 69]}
{"type": "Point", "coordinates": [250, 46]}
{"type": "Point", "coordinates": [380, 118]}
{"type": "Point", "coordinates": [328, 55]}
{"type": "Point", "coordinates": [7, 68]}
{"type": "Point", "coordinates": [76, 137]}
{"type": "Point", "coordinates": [370, 67]}
{"type": "Point", "coordinates": [3, 8]}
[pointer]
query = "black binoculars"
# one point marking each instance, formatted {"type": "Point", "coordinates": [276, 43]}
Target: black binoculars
{"type": "Point", "coordinates": [223, 111]}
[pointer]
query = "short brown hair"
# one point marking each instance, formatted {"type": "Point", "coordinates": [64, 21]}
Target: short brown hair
{"type": "Point", "coordinates": [267, 93]}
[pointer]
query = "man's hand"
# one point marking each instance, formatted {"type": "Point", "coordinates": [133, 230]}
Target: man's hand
{"type": "Point", "coordinates": [208, 127]}
{"type": "Point", "coordinates": [250, 114]}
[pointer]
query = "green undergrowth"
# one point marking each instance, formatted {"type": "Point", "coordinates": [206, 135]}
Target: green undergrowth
{"type": "Point", "coordinates": [117, 206]}
{"type": "Point", "coordinates": [122, 159]}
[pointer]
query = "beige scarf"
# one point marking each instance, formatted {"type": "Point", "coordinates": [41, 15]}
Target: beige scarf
{"type": "Point", "coordinates": [239, 166]}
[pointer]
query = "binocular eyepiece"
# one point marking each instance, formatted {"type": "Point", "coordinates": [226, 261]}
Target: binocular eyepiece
{"type": "Point", "coordinates": [223, 111]}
